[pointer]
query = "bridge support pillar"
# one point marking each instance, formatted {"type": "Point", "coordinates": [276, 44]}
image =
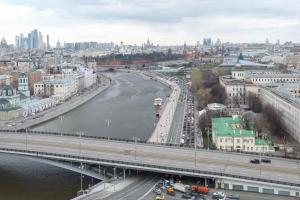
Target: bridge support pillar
{"type": "Point", "coordinates": [205, 182]}
{"type": "Point", "coordinates": [115, 172]}
{"type": "Point", "coordinates": [124, 173]}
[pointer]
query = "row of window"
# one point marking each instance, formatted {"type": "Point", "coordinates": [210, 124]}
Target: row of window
{"type": "Point", "coordinates": [249, 141]}
{"type": "Point", "coordinates": [275, 80]}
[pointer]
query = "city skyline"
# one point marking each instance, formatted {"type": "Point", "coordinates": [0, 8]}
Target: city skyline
{"type": "Point", "coordinates": [164, 22]}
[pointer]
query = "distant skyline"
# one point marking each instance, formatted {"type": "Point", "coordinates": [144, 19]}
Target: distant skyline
{"type": "Point", "coordinates": [164, 22]}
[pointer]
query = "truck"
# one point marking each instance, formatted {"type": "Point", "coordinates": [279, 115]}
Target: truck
{"type": "Point", "coordinates": [181, 187]}
{"type": "Point", "coordinates": [200, 189]}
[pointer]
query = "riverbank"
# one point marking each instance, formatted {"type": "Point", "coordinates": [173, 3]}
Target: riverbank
{"type": "Point", "coordinates": [76, 101]}
{"type": "Point", "coordinates": [163, 126]}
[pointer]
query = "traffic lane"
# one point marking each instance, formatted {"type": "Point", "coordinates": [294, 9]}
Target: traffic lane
{"type": "Point", "coordinates": [100, 154]}
{"type": "Point", "coordinates": [143, 149]}
{"type": "Point", "coordinates": [229, 156]}
{"type": "Point", "coordinates": [118, 149]}
{"type": "Point", "coordinates": [135, 190]}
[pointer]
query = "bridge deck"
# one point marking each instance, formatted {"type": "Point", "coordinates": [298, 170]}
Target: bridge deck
{"type": "Point", "coordinates": [162, 158]}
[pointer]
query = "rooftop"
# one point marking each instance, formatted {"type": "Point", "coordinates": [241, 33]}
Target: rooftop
{"type": "Point", "coordinates": [230, 127]}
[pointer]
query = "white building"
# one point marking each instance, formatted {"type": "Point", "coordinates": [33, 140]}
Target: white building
{"type": "Point", "coordinates": [23, 85]}
{"type": "Point", "coordinates": [37, 105]}
{"type": "Point", "coordinates": [59, 89]}
{"type": "Point", "coordinates": [229, 134]}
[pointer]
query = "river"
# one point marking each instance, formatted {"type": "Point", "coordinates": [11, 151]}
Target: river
{"type": "Point", "coordinates": [125, 110]}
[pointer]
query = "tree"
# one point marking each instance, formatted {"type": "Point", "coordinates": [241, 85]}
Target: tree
{"type": "Point", "coordinates": [196, 79]}
{"type": "Point", "coordinates": [241, 57]}
{"type": "Point", "coordinates": [275, 119]}
{"type": "Point", "coordinates": [254, 102]}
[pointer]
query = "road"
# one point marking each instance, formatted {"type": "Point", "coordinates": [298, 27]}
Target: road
{"type": "Point", "coordinates": [175, 133]}
{"type": "Point", "coordinates": [243, 196]}
{"type": "Point", "coordinates": [230, 163]}
{"type": "Point", "coordinates": [136, 190]}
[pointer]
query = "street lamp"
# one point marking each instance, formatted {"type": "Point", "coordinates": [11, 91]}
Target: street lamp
{"type": "Point", "coordinates": [61, 123]}
{"type": "Point", "coordinates": [135, 141]}
{"type": "Point", "coordinates": [80, 135]}
{"type": "Point", "coordinates": [26, 137]}
{"type": "Point", "coordinates": [195, 144]}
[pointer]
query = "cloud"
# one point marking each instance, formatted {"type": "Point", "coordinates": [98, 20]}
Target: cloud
{"type": "Point", "coordinates": [166, 22]}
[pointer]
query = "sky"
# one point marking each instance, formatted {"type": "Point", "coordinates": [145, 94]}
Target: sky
{"type": "Point", "coordinates": [165, 22]}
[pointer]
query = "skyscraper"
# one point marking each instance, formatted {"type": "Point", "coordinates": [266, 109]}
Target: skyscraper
{"type": "Point", "coordinates": [41, 42]}
{"type": "Point", "coordinates": [48, 44]}
{"type": "Point", "coordinates": [17, 42]}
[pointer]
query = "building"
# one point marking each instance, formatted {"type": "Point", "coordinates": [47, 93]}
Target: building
{"type": "Point", "coordinates": [60, 89]}
{"type": "Point", "coordinates": [9, 103]}
{"type": "Point", "coordinates": [228, 133]}
{"type": "Point", "coordinates": [23, 85]}
{"type": "Point", "coordinates": [235, 91]}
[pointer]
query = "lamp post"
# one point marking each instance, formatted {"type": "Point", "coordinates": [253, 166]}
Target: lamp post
{"type": "Point", "coordinates": [26, 137]}
{"type": "Point", "coordinates": [61, 123]}
{"type": "Point", "coordinates": [135, 143]}
{"type": "Point", "coordinates": [80, 136]}
{"type": "Point", "coordinates": [195, 145]}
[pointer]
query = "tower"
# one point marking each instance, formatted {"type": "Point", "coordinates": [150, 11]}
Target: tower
{"type": "Point", "coordinates": [23, 85]}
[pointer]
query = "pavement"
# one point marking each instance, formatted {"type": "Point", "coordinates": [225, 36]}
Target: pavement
{"type": "Point", "coordinates": [215, 161]}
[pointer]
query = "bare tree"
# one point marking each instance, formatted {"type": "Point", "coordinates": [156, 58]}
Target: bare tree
{"type": "Point", "coordinates": [254, 102]}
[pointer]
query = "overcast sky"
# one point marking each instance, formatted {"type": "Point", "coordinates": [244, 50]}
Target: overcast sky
{"type": "Point", "coordinates": [163, 21]}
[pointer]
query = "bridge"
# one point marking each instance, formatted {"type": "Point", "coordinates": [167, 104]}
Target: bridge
{"type": "Point", "coordinates": [152, 157]}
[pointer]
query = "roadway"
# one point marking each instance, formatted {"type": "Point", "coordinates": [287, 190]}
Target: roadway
{"type": "Point", "coordinates": [212, 161]}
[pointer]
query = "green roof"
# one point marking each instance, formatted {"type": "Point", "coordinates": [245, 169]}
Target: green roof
{"type": "Point", "coordinates": [260, 142]}
{"type": "Point", "coordinates": [230, 127]}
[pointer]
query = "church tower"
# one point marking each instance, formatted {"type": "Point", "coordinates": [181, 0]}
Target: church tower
{"type": "Point", "coordinates": [23, 85]}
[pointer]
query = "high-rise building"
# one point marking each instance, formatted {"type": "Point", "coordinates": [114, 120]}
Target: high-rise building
{"type": "Point", "coordinates": [207, 42]}
{"type": "Point", "coordinates": [29, 41]}
{"type": "Point", "coordinates": [17, 42]}
{"type": "Point", "coordinates": [48, 43]}
{"type": "Point", "coordinates": [41, 43]}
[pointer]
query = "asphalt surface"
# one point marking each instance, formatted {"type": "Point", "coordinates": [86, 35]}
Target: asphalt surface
{"type": "Point", "coordinates": [233, 163]}
{"type": "Point", "coordinates": [136, 190]}
{"type": "Point", "coordinates": [175, 133]}
{"type": "Point", "coordinates": [243, 196]}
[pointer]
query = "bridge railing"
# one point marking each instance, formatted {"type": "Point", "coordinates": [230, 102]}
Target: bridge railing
{"type": "Point", "coordinates": [146, 167]}
{"type": "Point", "coordinates": [143, 142]}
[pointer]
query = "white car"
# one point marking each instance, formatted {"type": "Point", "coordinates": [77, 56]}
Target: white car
{"type": "Point", "coordinates": [219, 195]}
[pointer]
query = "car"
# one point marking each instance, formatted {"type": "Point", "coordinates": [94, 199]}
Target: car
{"type": "Point", "coordinates": [218, 195]}
{"type": "Point", "coordinates": [157, 190]}
{"type": "Point", "coordinates": [233, 196]}
{"type": "Point", "coordinates": [266, 160]}
{"type": "Point", "coordinates": [255, 161]}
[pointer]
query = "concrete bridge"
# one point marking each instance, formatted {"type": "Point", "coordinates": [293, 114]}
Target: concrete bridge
{"type": "Point", "coordinates": [225, 167]}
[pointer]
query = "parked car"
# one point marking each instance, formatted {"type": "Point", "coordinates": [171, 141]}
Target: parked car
{"type": "Point", "coordinates": [266, 160]}
{"type": "Point", "coordinates": [254, 161]}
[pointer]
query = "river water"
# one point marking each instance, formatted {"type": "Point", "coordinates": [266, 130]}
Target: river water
{"type": "Point", "coordinates": [125, 110]}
